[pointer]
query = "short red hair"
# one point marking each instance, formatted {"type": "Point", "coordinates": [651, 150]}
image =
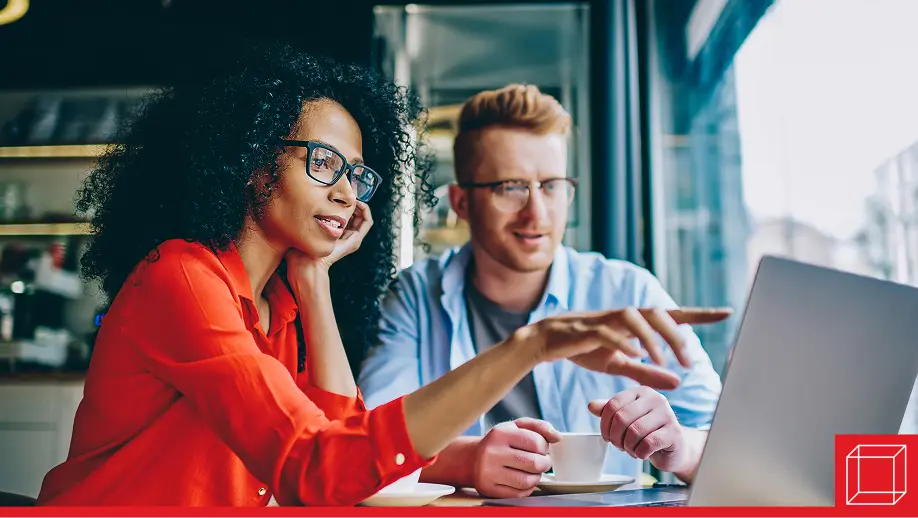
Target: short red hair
{"type": "Point", "coordinates": [513, 106]}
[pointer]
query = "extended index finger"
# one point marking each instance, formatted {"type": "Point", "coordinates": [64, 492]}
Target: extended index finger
{"type": "Point", "coordinates": [699, 315]}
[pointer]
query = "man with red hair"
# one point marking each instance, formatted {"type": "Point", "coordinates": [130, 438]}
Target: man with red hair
{"type": "Point", "coordinates": [512, 188]}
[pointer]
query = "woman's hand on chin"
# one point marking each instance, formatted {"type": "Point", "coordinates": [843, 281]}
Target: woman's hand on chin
{"type": "Point", "coordinates": [301, 267]}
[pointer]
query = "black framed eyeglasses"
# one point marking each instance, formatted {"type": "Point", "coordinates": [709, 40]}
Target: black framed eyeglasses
{"type": "Point", "coordinates": [513, 195]}
{"type": "Point", "coordinates": [326, 166]}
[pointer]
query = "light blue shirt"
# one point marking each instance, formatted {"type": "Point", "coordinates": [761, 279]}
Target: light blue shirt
{"type": "Point", "coordinates": [424, 333]}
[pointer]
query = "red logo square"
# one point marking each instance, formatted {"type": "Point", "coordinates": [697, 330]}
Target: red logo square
{"type": "Point", "coordinates": [875, 471]}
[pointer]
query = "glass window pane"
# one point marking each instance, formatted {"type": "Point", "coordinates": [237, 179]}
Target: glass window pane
{"type": "Point", "coordinates": [805, 146]}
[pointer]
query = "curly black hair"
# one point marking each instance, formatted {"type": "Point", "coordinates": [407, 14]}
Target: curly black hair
{"type": "Point", "coordinates": [180, 170]}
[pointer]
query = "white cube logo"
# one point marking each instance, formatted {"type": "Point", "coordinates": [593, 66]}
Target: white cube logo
{"type": "Point", "coordinates": [875, 474]}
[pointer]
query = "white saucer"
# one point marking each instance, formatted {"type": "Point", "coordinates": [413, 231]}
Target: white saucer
{"type": "Point", "coordinates": [608, 482]}
{"type": "Point", "coordinates": [423, 494]}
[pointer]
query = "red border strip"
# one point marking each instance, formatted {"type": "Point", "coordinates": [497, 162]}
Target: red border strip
{"type": "Point", "coordinates": [473, 511]}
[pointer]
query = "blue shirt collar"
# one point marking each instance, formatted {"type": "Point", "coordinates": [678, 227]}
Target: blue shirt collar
{"type": "Point", "coordinates": [454, 264]}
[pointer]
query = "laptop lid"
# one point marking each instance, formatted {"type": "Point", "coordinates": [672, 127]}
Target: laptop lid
{"type": "Point", "coordinates": [819, 352]}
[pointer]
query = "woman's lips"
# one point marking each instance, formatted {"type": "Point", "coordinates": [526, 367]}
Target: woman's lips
{"type": "Point", "coordinates": [333, 225]}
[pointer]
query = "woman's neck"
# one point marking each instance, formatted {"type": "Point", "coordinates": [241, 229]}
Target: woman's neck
{"type": "Point", "coordinates": [260, 259]}
{"type": "Point", "coordinates": [510, 289]}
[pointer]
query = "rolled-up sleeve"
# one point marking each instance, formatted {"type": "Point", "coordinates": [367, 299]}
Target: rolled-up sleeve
{"type": "Point", "coordinates": [312, 447]}
{"type": "Point", "coordinates": [334, 406]}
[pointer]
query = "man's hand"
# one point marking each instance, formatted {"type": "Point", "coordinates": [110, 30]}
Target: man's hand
{"type": "Point", "coordinates": [641, 423]}
{"type": "Point", "coordinates": [511, 458]}
{"type": "Point", "coordinates": [604, 341]}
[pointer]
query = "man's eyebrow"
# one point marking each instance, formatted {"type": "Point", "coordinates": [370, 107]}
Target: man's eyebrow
{"type": "Point", "coordinates": [358, 160]}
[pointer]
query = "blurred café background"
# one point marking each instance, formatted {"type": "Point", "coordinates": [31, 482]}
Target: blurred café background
{"type": "Point", "coordinates": [707, 133]}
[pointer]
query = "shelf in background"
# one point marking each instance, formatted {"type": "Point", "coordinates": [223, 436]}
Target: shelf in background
{"type": "Point", "coordinates": [454, 236]}
{"type": "Point", "coordinates": [444, 115]}
{"type": "Point", "coordinates": [74, 151]}
{"type": "Point", "coordinates": [45, 229]}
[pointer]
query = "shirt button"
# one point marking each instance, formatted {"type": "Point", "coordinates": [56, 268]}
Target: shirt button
{"type": "Point", "coordinates": [262, 491]}
{"type": "Point", "coordinates": [399, 459]}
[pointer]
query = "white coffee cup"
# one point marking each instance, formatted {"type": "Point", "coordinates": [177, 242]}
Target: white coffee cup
{"type": "Point", "coordinates": [578, 457]}
{"type": "Point", "coordinates": [403, 485]}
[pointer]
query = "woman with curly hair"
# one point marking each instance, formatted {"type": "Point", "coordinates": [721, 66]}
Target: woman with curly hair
{"type": "Point", "coordinates": [219, 376]}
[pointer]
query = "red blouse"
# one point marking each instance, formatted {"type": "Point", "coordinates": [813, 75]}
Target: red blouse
{"type": "Point", "coordinates": [188, 402]}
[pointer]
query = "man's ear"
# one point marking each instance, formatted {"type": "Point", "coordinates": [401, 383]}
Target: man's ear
{"type": "Point", "coordinates": [459, 201]}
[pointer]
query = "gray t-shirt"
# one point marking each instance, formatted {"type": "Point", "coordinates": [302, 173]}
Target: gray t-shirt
{"type": "Point", "coordinates": [490, 324]}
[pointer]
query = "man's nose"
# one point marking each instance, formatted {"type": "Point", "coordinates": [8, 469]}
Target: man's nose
{"type": "Point", "coordinates": [536, 207]}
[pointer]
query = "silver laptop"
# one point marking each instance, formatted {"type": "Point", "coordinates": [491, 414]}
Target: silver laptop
{"type": "Point", "coordinates": [819, 352]}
